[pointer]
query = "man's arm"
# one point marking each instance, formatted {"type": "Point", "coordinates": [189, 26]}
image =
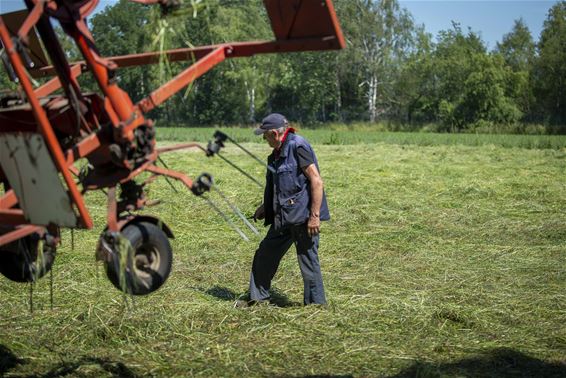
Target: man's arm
{"type": "Point", "coordinates": [316, 186]}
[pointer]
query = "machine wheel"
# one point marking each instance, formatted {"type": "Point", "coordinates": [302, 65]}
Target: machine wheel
{"type": "Point", "coordinates": [143, 263]}
{"type": "Point", "coordinates": [21, 261]}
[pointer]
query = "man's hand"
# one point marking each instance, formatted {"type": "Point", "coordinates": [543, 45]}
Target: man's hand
{"type": "Point", "coordinates": [259, 213]}
{"type": "Point", "coordinates": [313, 225]}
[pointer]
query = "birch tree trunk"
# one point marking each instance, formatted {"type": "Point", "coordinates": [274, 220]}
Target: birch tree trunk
{"type": "Point", "coordinates": [338, 103]}
{"type": "Point", "coordinates": [372, 99]}
{"type": "Point", "coordinates": [251, 101]}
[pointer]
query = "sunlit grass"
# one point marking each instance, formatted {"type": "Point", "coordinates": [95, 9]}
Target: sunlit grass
{"type": "Point", "coordinates": [440, 259]}
{"type": "Point", "coordinates": [361, 135]}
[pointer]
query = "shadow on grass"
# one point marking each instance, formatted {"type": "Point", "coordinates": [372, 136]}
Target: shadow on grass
{"type": "Point", "coordinates": [8, 360]}
{"type": "Point", "coordinates": [315, 376]}
{"type": "Point", "coordinates": [281, 300]}
{"type": "Point", "coordinates": [277, 298]}
{"type": "Point", "coordinates": [496, 363]}
{"type": "Point", "coordinates": [221, 292]}
{"type": "Point", "coordinates": [116, 369]}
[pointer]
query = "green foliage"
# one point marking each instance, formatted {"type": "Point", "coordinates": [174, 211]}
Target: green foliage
{"type": "Point", "coordinates": [518, 52]}
{"type": "Point", "coordinates": [484, 96]}
{"type": "Point", "coordinates": [550, 70]}
{"type": "Point", "coordinates": [517, 47]}
{"type": "Point", "coordinates": [305, 89]}
{"type": "Point", "coordinates": [381, 34]}
{"type": "Point", "coordinates": [391, 72]}
{"type": "Point", "coordinates": [461, 84]}
{"type": "Point", "coordinates": [370, 133]}
{"type": "Point", "coordinates": [122, 29]}
{"type": "Point", "coordinates": [5, 82]}
{"type": "Point", "coordinates": [414, 90]}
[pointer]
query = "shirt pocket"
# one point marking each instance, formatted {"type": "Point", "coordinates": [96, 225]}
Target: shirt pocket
{"type": "Point", "coordinates": [286, 181]}
{"type": "Point", "coordinates": [295, 210]}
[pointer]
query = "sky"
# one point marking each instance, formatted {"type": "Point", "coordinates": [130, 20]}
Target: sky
{"type": "Point", "coordinates": [492, 19]}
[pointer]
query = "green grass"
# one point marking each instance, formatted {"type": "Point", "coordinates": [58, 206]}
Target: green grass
{"type": "Point", "coordinates": [440, 260]}
{"type": "Point", "coordinates": [362, 135]}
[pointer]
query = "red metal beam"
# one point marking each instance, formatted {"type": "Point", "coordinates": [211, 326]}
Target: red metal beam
{"type": "Point", "coordinates": [12, 216]}
{"type": "Point", "coordinates": [112, 210]}
{"type": "Point", "coordinates": [8, 200]}
{"type": "Point", "coordinates": [176, 55]}
{"type": "Point", "coordinates": [296, 19]}
{"type": "Point", "coordinates": [54, 84]}
{"type": "Point", "coordinates": [245, 49]}
{"type": "Point", "coordinates": [19, 233]}
{"type": "Point", "coordinates": [119, 175]}
{"type": "Point", "coordinates": [31, 20]}
{"type": "Point", "coordinates": [44, 126]}
{"type": "Point", "coordinates": [240, 49]}
{"type": "Point", "coordinates": [184, 78]}
{"type": "Point", "coordinates": [118, 99]}
{"type": "Point", "coordinates": [83, 148]}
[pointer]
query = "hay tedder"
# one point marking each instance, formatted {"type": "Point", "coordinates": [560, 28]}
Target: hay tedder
{"type": "Point", "coordinates": [48, 132]}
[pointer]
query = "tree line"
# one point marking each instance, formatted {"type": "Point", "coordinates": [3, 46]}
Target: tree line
{"type": "Point", "coordinates": [392, 71]}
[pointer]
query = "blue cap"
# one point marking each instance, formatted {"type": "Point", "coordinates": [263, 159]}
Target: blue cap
{"type": "Point", "coordinates": [272, 121]}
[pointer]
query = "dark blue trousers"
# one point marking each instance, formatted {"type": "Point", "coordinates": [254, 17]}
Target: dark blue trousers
{"type": "Point", "coordinates": [269, 254]}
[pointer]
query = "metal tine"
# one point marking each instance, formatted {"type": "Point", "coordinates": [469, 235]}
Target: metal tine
{"type": "Point", "coordinates": [240, 170]}
{"type": "Point", "coordinates": [225, 217]}
{"type": "Point", "coordinates": [167, 179]}
{"type": "Point", "coordinates": [10, 70]}
{"type": "Point", "coordinates": [251, 154]}
{"type": "Point", "coordinates": [51, 288]}
{"type": "Point", "coordinates": [236, 210]}
{"type": "Point", "coordinates": [31, 297]}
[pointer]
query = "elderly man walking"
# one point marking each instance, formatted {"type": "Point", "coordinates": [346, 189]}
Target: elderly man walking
{"type": "Point", "coordinates": [294, 203]}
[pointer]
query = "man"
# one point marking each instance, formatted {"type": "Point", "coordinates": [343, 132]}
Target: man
{"type": "Point", "coordinates": [293, 206]}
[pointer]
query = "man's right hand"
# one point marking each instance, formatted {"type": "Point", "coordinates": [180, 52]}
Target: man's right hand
{"type": "Point", "coordinates": [259, 213]}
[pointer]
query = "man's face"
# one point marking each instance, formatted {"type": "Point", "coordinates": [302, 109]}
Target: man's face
{"type": "Point", "coordinates": [273, 138]}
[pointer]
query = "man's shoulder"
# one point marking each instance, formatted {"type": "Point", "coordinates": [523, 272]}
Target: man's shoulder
{"type": "Point", "coordinates": [299, 140]}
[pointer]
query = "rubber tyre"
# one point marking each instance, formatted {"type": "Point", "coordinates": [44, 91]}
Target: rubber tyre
{"type": "Point", "coordinates": [21, 262]}
{"type": "Point", "coordinates": [148, 263]}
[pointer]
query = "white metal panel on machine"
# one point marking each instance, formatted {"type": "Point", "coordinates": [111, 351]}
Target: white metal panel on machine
{"type": "Point", "coordinates": [32, 174]}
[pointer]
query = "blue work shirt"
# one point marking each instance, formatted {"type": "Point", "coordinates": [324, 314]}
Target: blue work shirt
{"type": "Point", "coordinates": [287, 196]}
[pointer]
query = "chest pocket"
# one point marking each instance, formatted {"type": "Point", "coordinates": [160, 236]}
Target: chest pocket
{"type": "Point", "coordinates": [286, 180]}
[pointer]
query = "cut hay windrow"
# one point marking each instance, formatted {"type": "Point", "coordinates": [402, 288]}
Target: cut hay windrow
{"type": "Point", "coordinates": [440, 259]}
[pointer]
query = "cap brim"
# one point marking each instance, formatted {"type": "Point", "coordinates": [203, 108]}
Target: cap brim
{"type": "Point", "coordinates": [259, 131]}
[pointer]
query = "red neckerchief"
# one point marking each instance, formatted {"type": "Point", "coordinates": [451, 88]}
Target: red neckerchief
{"type": "Point", "coordinates": [277, 151]}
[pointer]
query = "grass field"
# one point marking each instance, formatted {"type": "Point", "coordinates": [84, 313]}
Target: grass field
{"type": "Point", "coordinates": [442, 258]}
{"type": "Point", "coordinates": [360, 134]}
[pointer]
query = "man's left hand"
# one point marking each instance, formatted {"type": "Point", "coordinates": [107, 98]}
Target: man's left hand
{"type": "Point", "coordinates": [313, 225]}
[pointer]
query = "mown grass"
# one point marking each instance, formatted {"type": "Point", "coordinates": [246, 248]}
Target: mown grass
{"type": "Point", "coordinates": [441, 260]}
{"type": "Point", "coordinates": [363, 135]}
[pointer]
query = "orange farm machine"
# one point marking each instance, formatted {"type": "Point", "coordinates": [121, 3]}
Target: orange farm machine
{"type": "Point", "coordinates": [45, 130]}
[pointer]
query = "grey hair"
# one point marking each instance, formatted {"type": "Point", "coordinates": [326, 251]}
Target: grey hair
{"type": "Point", "coordinates": [281, 130]}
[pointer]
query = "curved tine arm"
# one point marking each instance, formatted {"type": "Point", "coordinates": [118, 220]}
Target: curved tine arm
{"type": "Point", "coordinates": [178, 147]}
{"type": "Point", "coordinates": [31, 20]}
{"type": "Point", "coordinates": [170, 173]}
